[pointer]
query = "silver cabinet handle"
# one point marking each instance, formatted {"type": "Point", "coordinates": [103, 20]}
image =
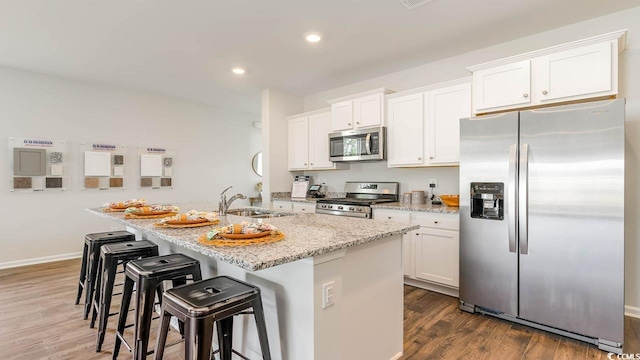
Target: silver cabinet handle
{"type": "Point", "coordinates": [523, 195]}
{"type": "Point", "coordinates": [435, 222]}
{"type": "Point", "coordinates": [511, 212]}
{"type": "Point", "coordinates": [349, 124]}
{"type": "Point", "coordinates": [431, 157]}
{"type": "Point", "coordinates": [358, 122]}
{"type": "Point", "coordinates": [544, 92]}
{"type": "Point", "coordinates": [525, 95]}
{"type": "Point", "coordinates": [311, 164]}
{"type": "Point", "coordinates": [389, 217]}
{"type": "Point", "coordinates": [419, 158]}
{"type": "Point", "coordinates": [305, 164]}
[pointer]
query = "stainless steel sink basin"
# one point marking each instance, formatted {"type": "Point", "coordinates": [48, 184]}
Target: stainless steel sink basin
{"type": "Point", "coordinates": [256, 213]}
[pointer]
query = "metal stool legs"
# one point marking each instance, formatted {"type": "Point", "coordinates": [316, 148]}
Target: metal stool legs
{"type": "Point", "coordinates": [83, 273]}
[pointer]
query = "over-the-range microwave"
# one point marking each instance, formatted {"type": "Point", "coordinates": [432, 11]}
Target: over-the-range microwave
{"type": "Point", "coordinates": [357, 145]}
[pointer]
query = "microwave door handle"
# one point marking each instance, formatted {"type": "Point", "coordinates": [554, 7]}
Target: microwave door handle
{"type": "Point", "coordinates": [367, 143]}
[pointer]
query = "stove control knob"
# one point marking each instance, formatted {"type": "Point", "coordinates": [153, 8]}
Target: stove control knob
{"type": "Point", "coordinates": [340, 208]}
{"type": "Point", "coordinates": [351, 209]}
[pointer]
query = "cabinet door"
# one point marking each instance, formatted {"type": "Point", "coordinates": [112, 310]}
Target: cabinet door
{"type": "Point", "coordinates": [319, 129]}
{"type": "Point", "coordinates": [407, 239]}
{"type": "Point", "coordinates": [581, 72]}
{"type": "Point", "coordinates": [405, 131]}
{"type": "Point", "coordinates": [367, 111]}
{"type": "Point", "coordinates": [342, 116]}
{"type": "Point", "coordinates": [304, 208]}
{"type": "Point", "coordinates": [437, 256]}
{"type": "Point", "coordinates": [282, 205]}
{"type": "Point", "coordinates": [444, 109]}
{"type": "Point", "coordinates": [298, 143]}
{"type": "Point", "coordinates": [502, 87]}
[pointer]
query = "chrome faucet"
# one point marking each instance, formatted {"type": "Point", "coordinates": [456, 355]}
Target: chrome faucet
{"type": "Point", "coordinates": [223, 205]}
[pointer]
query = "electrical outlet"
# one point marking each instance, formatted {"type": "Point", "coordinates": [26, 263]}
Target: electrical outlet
{"type": "Point", "coordinates": [328, 294]}
{"type": "Point", "coordinates": [433, 182]}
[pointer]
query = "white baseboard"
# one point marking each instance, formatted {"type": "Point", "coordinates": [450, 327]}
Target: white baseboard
{"type": "Point", "coordinates": [40, 260]}
{"type": "Point", "coordinates": [632, 311]}
{"type": "Point", "coordinates": [431, 287]}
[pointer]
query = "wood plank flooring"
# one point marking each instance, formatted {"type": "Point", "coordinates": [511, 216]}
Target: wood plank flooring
{"type": "Point", "coordinates": [38, 320]}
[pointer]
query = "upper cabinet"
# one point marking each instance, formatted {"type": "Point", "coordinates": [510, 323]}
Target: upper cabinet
{"type": "Point", "coordinates": [309, 141]}
{"type": "Point", "coordinates": [358, 111]}
{"type": "Point", "coordinates": [579, 70]}
{"type": "Point", "coordinates": [424, 124]}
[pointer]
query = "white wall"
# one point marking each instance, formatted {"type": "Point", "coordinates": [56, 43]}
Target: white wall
{"type": "Point", "coordinates": [213, 149]}
{"type": "Point", "coordinates": [454, 68]}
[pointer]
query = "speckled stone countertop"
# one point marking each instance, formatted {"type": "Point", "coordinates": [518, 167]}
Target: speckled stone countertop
{"type": "Point", "coordinates": [301, 200]}
{"type": "Point", "coordinates": [307, 235]}
{"type": "Point", "coordinates": [418, 207]}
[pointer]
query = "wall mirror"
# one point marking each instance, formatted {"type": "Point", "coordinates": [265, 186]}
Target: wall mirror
{"type": "Point", "coordinates": [256, 163]}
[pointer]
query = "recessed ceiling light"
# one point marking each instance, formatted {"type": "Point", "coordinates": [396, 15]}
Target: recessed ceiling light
{"type": "Point", "coordinates": [313, 37]}
{"type": "Point", "coordinates": [238, 71]}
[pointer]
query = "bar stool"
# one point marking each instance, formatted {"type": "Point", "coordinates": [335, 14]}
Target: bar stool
{"type": "Point", "coordinates": [203, 303]}
{"type": "Point", "coordinates": [112, 255]}
{"type": "Point", "coordinates": [90, 256]}
{"type": "Point", "coordinates": [148, 274]}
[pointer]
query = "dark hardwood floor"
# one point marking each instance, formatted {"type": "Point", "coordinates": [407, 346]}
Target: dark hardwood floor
{"type": "Point", "coordinates": [38, 320]}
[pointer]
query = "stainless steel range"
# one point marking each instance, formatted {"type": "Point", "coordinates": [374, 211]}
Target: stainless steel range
{"type": "Point", "coordinates": [360, 197]}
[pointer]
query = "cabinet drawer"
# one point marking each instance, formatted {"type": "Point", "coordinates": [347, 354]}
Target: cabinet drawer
{"type": "Point", "coordinates": [436, 221]}
{"type": "Point", "coordinates": [282, 205]}
{"type": "Point", "coordinates": [304, 208]}
{"type": "Point", "coordinates": [392, 215]}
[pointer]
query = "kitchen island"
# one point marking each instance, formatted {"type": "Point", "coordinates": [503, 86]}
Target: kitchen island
{"type": "Point", "coordinates": [360, 260]}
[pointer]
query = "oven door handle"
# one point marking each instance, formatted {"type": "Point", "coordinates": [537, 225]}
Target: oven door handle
{"type": "Point", "coordinates": [367, 143]}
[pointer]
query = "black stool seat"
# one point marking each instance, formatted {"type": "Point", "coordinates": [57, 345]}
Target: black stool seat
{"type": "Point", "coordinates": [90, 257]}
{"type": "Point", "coordinates": [203, 303]}
{"type": "Point", "coordinates": [112, 255]}
{"type": "Point", "coordinates": [148, 275]}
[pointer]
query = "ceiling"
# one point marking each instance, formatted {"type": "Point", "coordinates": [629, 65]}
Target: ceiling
{"type": "Point", "coordinates": [185, 49]}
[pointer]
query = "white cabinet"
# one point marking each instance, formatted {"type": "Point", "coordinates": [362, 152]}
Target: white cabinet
{"type": "Point", "coordinates": [405, 130]}
{"type": "Point", "coordinates": [299, 143]}
{"type": "Point", "coordinates": [308, 141]}
{"type": "Point", "coordinates": [309, 208]}
{"type": "Point", "coordinates": [502, 86]}
{"type": "Point", "coordinates": [583, 69]}
{"type": "Point", "coordinates": [431, 254]}
{"type": "Point", "coordinates": [358, 111]}
{"type": "Point", "coordinates": [437, 248]}
{"type": "Point", "coordinates": [424, 124]}
{"type": "Point", "coordinates": [443, 110]}
{"type": "Point", "coordinates": [282, 205]}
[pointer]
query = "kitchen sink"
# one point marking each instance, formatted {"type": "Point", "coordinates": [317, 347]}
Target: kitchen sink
{"type": "Point", "coordinates": [257, 213]}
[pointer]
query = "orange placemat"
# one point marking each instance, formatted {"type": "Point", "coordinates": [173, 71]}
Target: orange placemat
{"type": "Point", "coordinates": [113, 210]}
{"type": "Point", "coordinates": [181, 226]}
{"type": "Point", "coordinates": [149, 215]}
{"type": "Point", "coordinates": [240, 242]}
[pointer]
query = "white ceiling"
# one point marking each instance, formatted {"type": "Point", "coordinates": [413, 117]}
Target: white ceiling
{"type": "Point", "coordinates": [185, 48]}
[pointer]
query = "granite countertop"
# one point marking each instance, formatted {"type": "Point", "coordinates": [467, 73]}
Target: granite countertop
{"type": "Point", "coordinates": [301, 200]}
{"type": "Point", "coordinates": [307, 235]}
{"type": "Point", "coordinates": [418, 207]}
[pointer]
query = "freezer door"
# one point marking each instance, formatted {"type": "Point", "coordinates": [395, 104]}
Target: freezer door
{"type": "Point", "coordinates": [572, 232]}
{"type": "Point", "coordinates": [488, 257]}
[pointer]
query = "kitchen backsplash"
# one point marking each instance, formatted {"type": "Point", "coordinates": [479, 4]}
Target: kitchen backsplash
{"type": "Point", "coordinates": [409, 178]}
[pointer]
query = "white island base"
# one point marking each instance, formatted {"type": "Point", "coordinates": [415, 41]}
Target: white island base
{"type": "Point", "coordinates": [365, 321]}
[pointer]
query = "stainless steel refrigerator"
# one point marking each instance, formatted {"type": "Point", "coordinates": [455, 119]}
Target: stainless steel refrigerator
{"type": "Point", "coordinates": [542, 219]}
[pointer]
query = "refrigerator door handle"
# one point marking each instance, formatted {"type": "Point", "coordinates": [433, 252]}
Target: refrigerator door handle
{"type": "Point", "coordinates": [512, 212]}
{"type": "Point", "coordinates": [523, 194]}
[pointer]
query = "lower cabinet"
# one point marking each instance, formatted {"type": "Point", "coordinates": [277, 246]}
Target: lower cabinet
{"type": "Point", "coordinates": [282, 205]}
{"type": "Point", "coordinates": [308, 208]}
{"type": "Point", "coordinates": [294, 206]}
{"type": "Point", "coordinates": [437, 255]}
{"type": "Point", "coordinates": [431, 254]}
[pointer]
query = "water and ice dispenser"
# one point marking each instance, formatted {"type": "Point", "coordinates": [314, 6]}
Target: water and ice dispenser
{"type": "Point", "coordinates": [487, 200]}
